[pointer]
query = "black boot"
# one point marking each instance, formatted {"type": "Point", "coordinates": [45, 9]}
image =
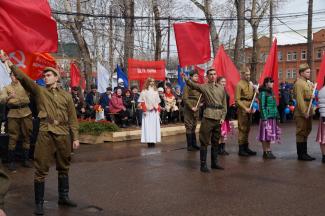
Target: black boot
{"type": "Point", "coordinates": [323, 159]}
{"type": "Point", "coordinates": [39, 197]}
{"type": "Point", "coordinates": [26, 163]}
{"type": "Point", "coordinates": [11, 160]}
{"type": "Point", "coordinates": [249, 151]}
{"type": "Point", "coordinates": [214, 159]}
{"type": "Point", "coordinates": [189, 142]}
{"type": "Point", "coordinates": [300, 152]}
{"type": "Point", "coordinates": [124, 123]}
{"type": "Point", "coordinates": [242, 151]}
{"type": "Point", "coordinates": [194, 143]}
{"type": "Point", "coordinates": [268, 155]}
{"type": "Point", "coordinates": [203, 160]}
{"type": "Point", "coordinates": [305, 151]}
{"type": "Point", "coordinates": [221, 149]}
{"type": "Point", "coordinates": [63, 187]}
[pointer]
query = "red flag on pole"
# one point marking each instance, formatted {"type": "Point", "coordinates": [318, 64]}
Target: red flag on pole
{"type": "Point", "coordinates": [321, 74]}
{"type": "Point", "coordinates": [193, 43]}
{"type": "Point", "coordinates": [27, 25]}
{"type": "Point", "coordinates": [74, 75]}
{"type": "Point", "coordinates": [226, 68]}
{"type": "Point", "coordinates": [271, 69]}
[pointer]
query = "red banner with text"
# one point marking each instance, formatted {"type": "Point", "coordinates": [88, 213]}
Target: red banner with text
{"type": "Point", "coordinates": [141, 70]}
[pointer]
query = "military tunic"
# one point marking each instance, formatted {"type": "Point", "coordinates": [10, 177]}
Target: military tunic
{"type": "Point", "coordinates": [19, 115]}
{"type": "Point", "coordinates": [58, 120]}
{"type": "Point", "coordinates": [303, 92]}
{"type": "Point", "coordinates": [216, 109]}
{"type": "Point", "coordinates": [190, 99]}
{"type": "Point", "coordinates": [243, 97]}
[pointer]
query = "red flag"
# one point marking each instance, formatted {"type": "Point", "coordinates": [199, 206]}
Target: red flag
{"type": "Point", "coordinates": [321, 74]}
{"type": "Point", "coordinates": [32, 64]}
{"type": "Point", "coordinates": [226, 68]}
{"type": "Point", "coordinates": [27, 25]}
{"type": "Point", "coordinates": [201, 74]}
{"type": "Point", "coordinates": [193, 43]}
{"type": "Point", "coordinates": [74, 75]}
{"type": "Point", "coordinates": [271, 69]}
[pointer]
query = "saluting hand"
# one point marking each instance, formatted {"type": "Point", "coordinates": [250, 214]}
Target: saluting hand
{"type": "Point", "coordinates": [194, 109]}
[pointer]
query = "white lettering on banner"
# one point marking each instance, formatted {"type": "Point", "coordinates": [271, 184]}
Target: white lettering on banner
{"type": "Point", "coordinates": [148, 71]}
{"type": "Point", "coordinates": [18, 62]}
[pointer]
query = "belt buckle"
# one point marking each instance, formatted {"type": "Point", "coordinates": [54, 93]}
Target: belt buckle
{"type": "Point", "coordinates": [55, 122]}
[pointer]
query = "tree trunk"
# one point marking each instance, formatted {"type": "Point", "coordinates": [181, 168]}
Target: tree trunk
{"type": "Point", "coordinates": [309, 35]}
{"type": "Point", "coordinates": [240, 7]}
{"type": "Point", "coordinates": [110, 41]}
{"type": "Point", "coordinates": [128, 32]}
{"type": "Point", "coordinates": [157, 30]}
{"type": "Point", "coordinates": [271, 24]}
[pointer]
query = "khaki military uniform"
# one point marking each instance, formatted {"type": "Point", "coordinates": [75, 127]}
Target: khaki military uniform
{"type": "Point", "coordinates": [303, 92]}
{"type": "Point", "coordinates": [243, 97]}
{"type": "Point", "coordinates": [216, 109]}
{"type": "Point", "coordinates": [19, 115]}
{"type": "Point", "coordinates": [58, 121]}
{"type": "Point", "coordinates": [4, 186]}
{"type": "Point", "coordinates": [190, 99]}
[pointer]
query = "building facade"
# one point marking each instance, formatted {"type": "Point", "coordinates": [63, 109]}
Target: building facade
{"type": "Point", "coordinates": [290, 55]}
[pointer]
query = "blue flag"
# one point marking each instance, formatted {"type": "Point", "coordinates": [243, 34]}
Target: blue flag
{"type": "Point", "coordinates": [122, 75]}
{"type": "Point", "coordinates": [180, 80]}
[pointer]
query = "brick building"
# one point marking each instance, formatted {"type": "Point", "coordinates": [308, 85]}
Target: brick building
{"type": "Point", "coordinates": [292, 51]}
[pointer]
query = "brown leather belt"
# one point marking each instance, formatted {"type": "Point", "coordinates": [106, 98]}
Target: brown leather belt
{"type": "Point", "coordinates": [20, 106]}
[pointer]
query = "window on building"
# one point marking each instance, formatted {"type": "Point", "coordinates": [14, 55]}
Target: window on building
{"type": "Point", "coordinates": [319, 54]}
{"type": "Point", "coordinates": [294, 56]}
{"type": "Point", "coordinates": [288, 76]}
{"type": "Point", "coordinates": [279, 56]}
{"type": "Point", "coordinates": [280, 74]}
{"type": "Point", "coordinates": [303, 55]}
{"type": "Point", "coordinates": [289, 57]}
{"type": "Point", "coordinates": [294, 74]}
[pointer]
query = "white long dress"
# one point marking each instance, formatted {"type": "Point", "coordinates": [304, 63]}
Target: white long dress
{"type": "Point", "coordinates": [150, 129]}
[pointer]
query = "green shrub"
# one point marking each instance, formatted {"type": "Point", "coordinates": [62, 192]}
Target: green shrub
{"type": "Point", "coordinates": [96, 128]}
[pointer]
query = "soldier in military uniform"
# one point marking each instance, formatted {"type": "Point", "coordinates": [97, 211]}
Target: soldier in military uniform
{"type": "Point", "coordinates": [4, 186]}
{"type": "Point", "coordinates": [214, 116]}
{"type": "Point", "coordinates": [243, 96]}
{"type": "Point", "coordinates": [191, 114]}
{"type": "Point", "coordinates": [303, 93]}
{"type": "Point", "coordinates": [20, 123]}
{"type": "Point", "coordinates": [58, 120]}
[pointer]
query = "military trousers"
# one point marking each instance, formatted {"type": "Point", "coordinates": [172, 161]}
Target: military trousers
{"type": "Point", "coordinates": [209, 131]}
{"type": "Point", "coordinates": [4, 186]}
{"type": "Point", "coordinates": [303, 128]}
{"type": "Point", "coordinates": [244, 126]}
{"type": "Point", "coordinates": [20, 127]}
{"type": "Point", "coordinates": [190, 120]}
{"type": "Point", "coordinates": [51, 147]}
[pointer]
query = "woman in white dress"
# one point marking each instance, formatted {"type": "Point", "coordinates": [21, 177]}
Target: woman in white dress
{"type": "Point", "coordinates": [149, 102]}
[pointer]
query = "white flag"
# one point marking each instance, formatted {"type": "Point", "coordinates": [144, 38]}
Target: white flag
{"type": "Point", "coordinates": [4, 76]}
{"type": "Point", "coordinates": [103, 76]}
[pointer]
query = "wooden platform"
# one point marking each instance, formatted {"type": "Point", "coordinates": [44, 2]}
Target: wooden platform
{"type": "Point", "coordinates": [135, 134]}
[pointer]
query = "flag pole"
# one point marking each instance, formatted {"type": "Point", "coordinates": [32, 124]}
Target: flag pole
{"type": "Point", "coordinates": [311, 99]}
{"type": "Point", "coordinates": [198, 101]}
{"type": "Point", "coordinates": [250, 107]}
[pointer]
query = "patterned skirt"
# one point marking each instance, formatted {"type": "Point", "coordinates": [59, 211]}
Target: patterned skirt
{"type": "Point", "coordinates": [321, 133]}
{"type": "Point", "coordinates": [269, 131]}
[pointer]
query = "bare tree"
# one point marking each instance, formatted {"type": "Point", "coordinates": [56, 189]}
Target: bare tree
{"type": "Point", "coordinates": [74, 24]}
{"type": "Point", "coordinates": [239, 44]}
{"type": "Point", "coordinates": [309, 34]}
{"type": "Point", "coordinates": [157, 29]}
{"type": "Point", "coordinates": [256, 11]}
{"type": "Point", "coordinates": [206, 8]}
{"type": "Point", "coordinates": [127, 9]}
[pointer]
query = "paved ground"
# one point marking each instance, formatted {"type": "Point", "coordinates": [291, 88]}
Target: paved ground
{"type": "Point", "coordinates": [127, 179]}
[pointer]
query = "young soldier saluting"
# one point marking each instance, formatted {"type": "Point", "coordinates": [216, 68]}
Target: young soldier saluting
{"type": "Point", "coordinates": [214, 115]}
{"type": "Point", "coordinates": [58, 120]}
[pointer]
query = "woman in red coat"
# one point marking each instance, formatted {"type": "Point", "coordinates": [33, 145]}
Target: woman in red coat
{"type": "Point", "coordinates": [117, 107]}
